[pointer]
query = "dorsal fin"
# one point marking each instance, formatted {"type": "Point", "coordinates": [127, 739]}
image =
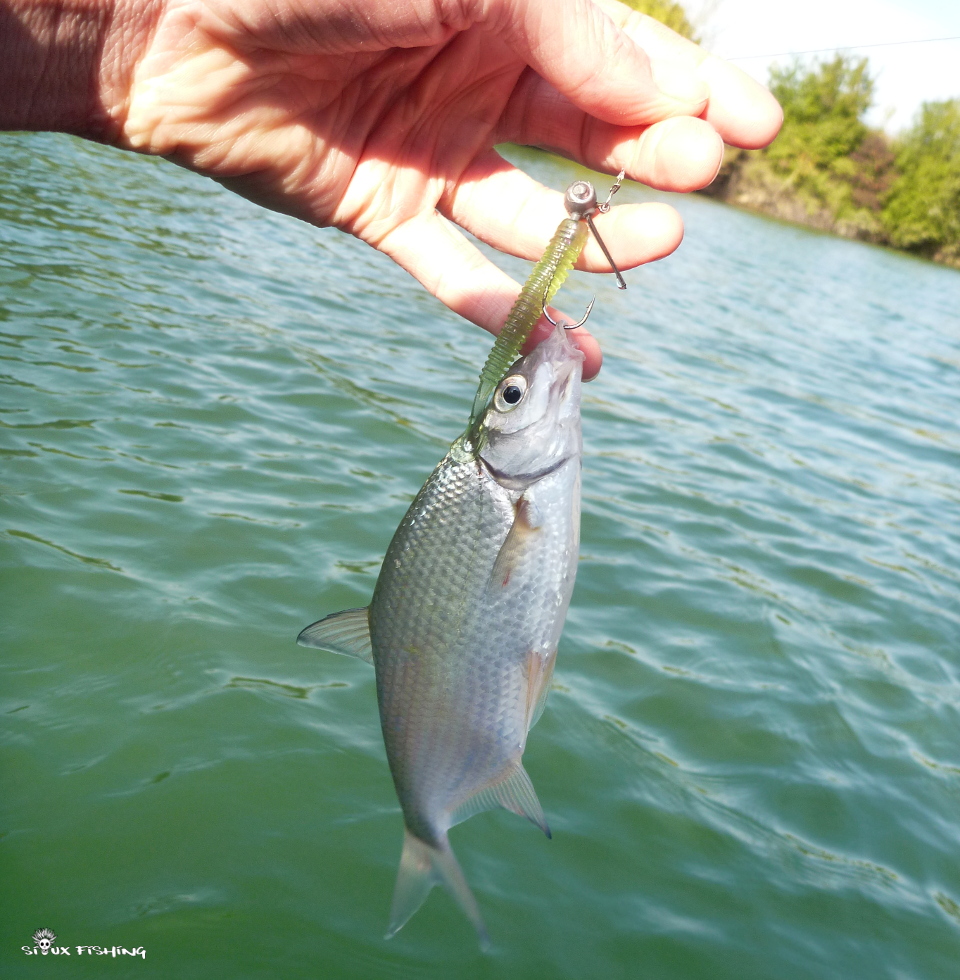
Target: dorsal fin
{"type": "Point", "coordinates": [346, 632]}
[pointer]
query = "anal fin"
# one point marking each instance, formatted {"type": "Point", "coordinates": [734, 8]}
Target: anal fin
{"type": "Point", "coordinates": [514, 793]}
{"type": "Point", "coordinates": [346, 632]}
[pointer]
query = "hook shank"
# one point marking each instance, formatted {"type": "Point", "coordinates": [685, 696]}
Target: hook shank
{"type": "Point", "coordinates": [621, 284]}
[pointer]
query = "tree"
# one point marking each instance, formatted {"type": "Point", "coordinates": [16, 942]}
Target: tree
{"type": "Point", "coordinates": [823, 132]}
{"type": "Point", "coordinates": [838, 89]}
{"type": "Point", "coordinates": [668, 12]}
{"type": "Point", "coordinates": [922, 211]}
{"type": "Point", "coordinates": [829, 170]}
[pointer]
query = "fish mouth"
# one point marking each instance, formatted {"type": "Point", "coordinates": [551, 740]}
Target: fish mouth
{"type": "Point", "coordinates": [566, 362]}
{"type": "Point", "coordinates": [564, 386]}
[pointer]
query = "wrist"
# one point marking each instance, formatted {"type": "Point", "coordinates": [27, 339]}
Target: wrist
{"type": "Point", "coordinates": [65, 65]}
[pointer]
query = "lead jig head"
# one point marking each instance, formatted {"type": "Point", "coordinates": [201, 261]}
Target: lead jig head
{"type": "Point", "coordinates": [580, 200]}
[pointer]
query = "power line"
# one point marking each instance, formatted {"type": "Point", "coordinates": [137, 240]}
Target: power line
{"type": "Point", "coordinates": [841, 47]}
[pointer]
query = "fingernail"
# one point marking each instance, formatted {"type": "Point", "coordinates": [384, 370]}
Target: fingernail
{"type": "Point", "coordinates": [647, 144]}
{"type": "Point", "coordinates": [681, 84]}
{"type": "Point", "coordinates": [720, 162]}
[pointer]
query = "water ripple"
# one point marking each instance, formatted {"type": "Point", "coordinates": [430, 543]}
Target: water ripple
{"type": "Point", "coordinates": [214, 418]}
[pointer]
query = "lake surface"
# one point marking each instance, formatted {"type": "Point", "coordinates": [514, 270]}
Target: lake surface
{"type": "Point", "coordinates": [213, 418]}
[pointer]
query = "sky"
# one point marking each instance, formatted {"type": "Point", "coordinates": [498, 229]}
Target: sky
{"type": "Point", "coordinates": [906, 74]}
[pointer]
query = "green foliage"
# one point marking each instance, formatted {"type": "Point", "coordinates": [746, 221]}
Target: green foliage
{"type": "Point", "coordinates": [840, 88]}
{"type": "Point", "coordinates": [829, 170]}
{"type": "Point", "coordinates": [874, 171]}
{"type": "Point", "coordinates": [668, 12]}
{"type": "Point", "coordinates": [922, 212]}
{"type": "Point", "coordinates": [823, 105]}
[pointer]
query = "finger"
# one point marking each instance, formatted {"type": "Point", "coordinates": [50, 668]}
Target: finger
{"type": "Point", "coordinates": [741, 110]}
{"type": "Point", "coordinates": [505, 208]}
{"type": "Point", "coordinates": [677, 154]}
{"type": "Point", "coordinates": [575, 46]}
{"type": "Point", "coordinates": [433, 251]}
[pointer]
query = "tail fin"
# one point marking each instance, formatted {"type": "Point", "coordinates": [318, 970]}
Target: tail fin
{"type": "Point", "coordinates": [422, 867]}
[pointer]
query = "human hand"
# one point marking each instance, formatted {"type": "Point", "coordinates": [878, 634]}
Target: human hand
{"type": "Point", "coordinates": [380, 118]}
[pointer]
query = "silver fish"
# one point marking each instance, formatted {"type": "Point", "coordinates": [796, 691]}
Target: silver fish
{"type": "Point", "coordinates": [466, 616]}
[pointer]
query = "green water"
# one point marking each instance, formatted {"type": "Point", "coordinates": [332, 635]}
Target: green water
{"type": "Point", "coordinates": [213, 418]}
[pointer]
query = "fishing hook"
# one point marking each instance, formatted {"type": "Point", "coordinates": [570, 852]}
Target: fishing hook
{"type": "Point", "coordinates": [568, 326]}
{"type": "Point", "coordinates": [580, 201]}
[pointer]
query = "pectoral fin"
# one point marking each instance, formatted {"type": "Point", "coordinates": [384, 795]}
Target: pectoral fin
{"type": "Point", "coordinates": [526, 524]}
{"type": "Point", "coordinates": [539, 675]}
{"type": "Point", "coordinates": [346, 632]}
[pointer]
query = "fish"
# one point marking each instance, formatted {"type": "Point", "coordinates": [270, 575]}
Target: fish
{"type": "Point", "coordinates": [466, 615]}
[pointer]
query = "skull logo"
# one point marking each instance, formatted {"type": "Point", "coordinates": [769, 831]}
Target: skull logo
{"type": "Point", "coordinates": [44, 939]}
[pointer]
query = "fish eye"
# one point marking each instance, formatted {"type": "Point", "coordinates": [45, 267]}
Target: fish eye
{"type": "Point", "coordinates": [510, 393]}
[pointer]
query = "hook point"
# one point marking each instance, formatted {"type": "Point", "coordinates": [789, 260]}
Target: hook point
{"type": "Point", "coordinates": [560, 323]}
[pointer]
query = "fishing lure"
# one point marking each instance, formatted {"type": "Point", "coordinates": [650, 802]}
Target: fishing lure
{"type": "Point", "coordinates": [548, 275]}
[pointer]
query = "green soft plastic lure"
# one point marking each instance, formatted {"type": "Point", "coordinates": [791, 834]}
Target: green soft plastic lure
{"type": "Point", "coordinates": [547, 277]}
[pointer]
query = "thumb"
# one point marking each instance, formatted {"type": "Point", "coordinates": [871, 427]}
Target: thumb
{"type": "Point", "coordinates": [578, 48]}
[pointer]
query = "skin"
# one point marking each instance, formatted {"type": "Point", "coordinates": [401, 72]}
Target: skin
{"type": "Point", "coordinates": [380, 117]}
